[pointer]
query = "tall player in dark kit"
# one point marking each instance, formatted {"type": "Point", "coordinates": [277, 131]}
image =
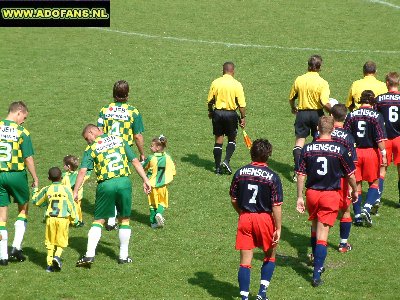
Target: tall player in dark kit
{"type": "Point", "coordinates": [324, 162]}
{"type": "Point", "coordinates": [256, 194]}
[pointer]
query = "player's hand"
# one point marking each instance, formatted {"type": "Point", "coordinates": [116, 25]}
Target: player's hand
{"type": "Point", "coordinates": [35, 183]}
{"type": "Point", "coordinates": [276, 237]}
{"type": "Point", "coordinates": [300, 205]}
{"type": "Point", "coordinates": [210, 114]}
{"type": "Point", "coordinates": [242, 122]}
{"type": "Point", "coordinates": [354, 196]}
{"type": "Point", "coordinates": [294, 110]}
{"type": "Point", "coordinates": [76, 197]}
{"type": "Point", "coordinates": [142, 158]}
{"type": "Point", "coordinates": [146, 187]}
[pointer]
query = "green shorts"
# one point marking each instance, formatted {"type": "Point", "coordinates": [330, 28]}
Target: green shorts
{"type": "Point", "coordinates": [111, 193]}
{"type": "Point", "coordinates": [14, 184]}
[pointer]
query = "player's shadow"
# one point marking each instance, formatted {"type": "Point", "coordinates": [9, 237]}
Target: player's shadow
{"type": "Point", "coordinates": [299, 264]}
{"type": "Point", "coordinates": [195, 160]}
{"type": "Point", "coordinates": [216, 288]}
{"type": "Point", "coordinates": [389, 203]}
{"type": "Point", "coordinates": [87, 207]}
{"type": "Point", "coordinates": [79, 245]}
{"type": "Point", "coordinates": [139, 217]}
{"type": "Point", "coordinates": [39, 258]}
{"type": "Point", "coordinates": [284, 169]}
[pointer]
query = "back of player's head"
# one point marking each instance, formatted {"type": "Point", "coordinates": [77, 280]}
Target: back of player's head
{"type": "Point", "coordinates": [17, 106]}
{"type": "Point", "coordinates": [71, 161]}
{"type": "Point", "coordinates": [367, 97]}
{"type": "Point", "coordinates": [89, 127]}
{"type": "Point", "coordinates": [314, 63]}
{"type": "Point", "coordinates": [339, 112]}
{"type": "Point", "coordinates": [228, 67]}
{"type": "Point", "coordinates": [55, 174]}
{"type": "Point", "coordinates": [261, 150]}
{"type": "Point", "coordinates": [121, 91]}
{"type": "Point", "coordinates": [369, 67]}
{"type": "Point", "coordinates": [392, 79]}
{"type": "Point", "coordinates": [160, 141]}
{"type": "Point", "coordinates": [326, 124]}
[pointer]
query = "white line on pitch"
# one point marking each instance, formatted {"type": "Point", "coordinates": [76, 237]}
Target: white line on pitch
{"type": "Point", "coordinates": [241, 45]}
{"type": "Point", "coordinates": [385, 3]}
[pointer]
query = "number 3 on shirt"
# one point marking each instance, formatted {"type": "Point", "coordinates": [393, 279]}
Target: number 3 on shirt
{"type": "Point", "coordinates": [254, 188]}
{"type": "Point", "coordinates": [324, 167]}
{"type": "Point", "coordinates": [5, 152]}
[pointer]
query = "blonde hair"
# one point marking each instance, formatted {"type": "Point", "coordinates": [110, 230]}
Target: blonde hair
{"type": "Point", "coordinates": [160, 141]}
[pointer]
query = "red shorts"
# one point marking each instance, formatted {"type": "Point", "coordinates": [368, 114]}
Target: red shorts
{"type": "Point", "coordinates": [393, 151]}
{"type": "Point", "coordinates": [255, 230]}
{"type": "Point", "coordinates": [368, 164]}
{"type": "Point", "coordinates": [344, 195]}
{"type": "Point", "coordinates": [323, 205]}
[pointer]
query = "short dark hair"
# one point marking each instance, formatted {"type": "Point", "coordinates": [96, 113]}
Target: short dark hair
{"type": "Point", "coordinates": [392, 79]}
{"type": "Point", "coordinates": [339, 112]}
{"type": "Point", "coordinates": [261, 150]}
{"type": "Point", "coordinates": [71, 161]}
{"type": "Point", "coordinates": [314, 63]}
{"type": "Point", "coordinates": [16, 106]}
{"type": "Point", "coordinates": [228, 67]}
{"type": "Point", "coordinates": [367, 97]}
{"type": "Point", "coordinates": [369, 67]}
{"type": "Point", "coordinates": [325, 124]}
{"type": "Point", "coordinates": [55, 174]}
{"type": "Point", "coordinates": [121, 91]}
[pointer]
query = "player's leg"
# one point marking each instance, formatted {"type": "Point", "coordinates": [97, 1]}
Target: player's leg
{"type": "Point", "coordinates": [219, 140]}
{"type": "Point", "coordinates": [162, 203]}
{"type": "Point", "coordinates": [153, 202]}
{"type": "Point", "coordinates": [112, 221]}
{"type": "Point", "coordinates": [301, 132]}
{"type": "Point", "coordinates": [398, 181]}
{"type": "Point", "coordinates": [357, 206]}
{"type": "Point", "coordinates": [267, 270]}
{"type": "Point", "coordinates": [104, 208]}
{"type": "Point", "coordinates": [320, 252]}
{"type": "Point", "coordinates": [244, 273]}
{"type": "Point", "coordinates": [231, 129]}
{"type": "Point", "coordinates": [19, 189]}
{"type": "Point", "coordinates": [345, 228]}
{"type": "Point", "coordinates": [62, 236]}
{"type": "Point", "coordinates": [3, 236]}
{"type": "Point", "coordinates": [124, 205]}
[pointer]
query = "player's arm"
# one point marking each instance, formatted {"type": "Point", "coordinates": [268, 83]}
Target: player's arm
{"type": "Point", "coordinates": [39, 198]}
{"type": "Point", "coordinates": [79, 181]}
{"type": "Point", "coordinates": [277, 214]}
{"type": "Point", "coordinates": [242, 116]}
{"type": "Point", "coordinates": [30, 164]}
{"type": "Point", "coordinates": [235, 204]}
{"type": "Point", "coordinates": [71, 205]}
{"type": "Point", "coordinates": [325, 92]}
{"type": "Point", "coordinates": [139, 141]}
{"type": "Point", "coordinates": [139, 169]}
{"type": "Point", "coordinates": [382, 148]}
{"type": "Point", "coordinates": [292, 98]}
{"type": "Point", "coordinates": [350, 100]}
{"type": "Point", "coordinates": [353, 184]}
{"type": "Point", "coordinates": [300, 186]}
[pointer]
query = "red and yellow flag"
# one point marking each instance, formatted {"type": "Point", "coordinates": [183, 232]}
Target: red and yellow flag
{"type": "Point", "coordinates": [246, 139]}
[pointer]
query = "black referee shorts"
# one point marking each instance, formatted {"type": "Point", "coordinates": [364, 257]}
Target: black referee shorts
{"type": "Point", "coordinates": [306, 122]}
{"type": "Point", "coordinates": [225, 122]}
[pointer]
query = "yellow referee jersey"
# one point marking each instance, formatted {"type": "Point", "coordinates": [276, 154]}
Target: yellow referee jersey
{"type": "Point", "coordinates": [369, 82]}
{"type": "Point", "coordinates": [227, 93]}
{"type": "Point", "coordinates": [311, 90]}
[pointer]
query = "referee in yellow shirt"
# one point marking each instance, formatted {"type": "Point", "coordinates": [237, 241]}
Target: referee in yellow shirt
{"type": "Point", "coordinates": [225, 97]}
{"type": "Point", "coordinates": [369, 82]}
{"type": "Point", "coordinates": [312, 93]}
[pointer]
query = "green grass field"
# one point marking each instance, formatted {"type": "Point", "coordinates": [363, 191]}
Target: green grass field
{"type": "Point", "coordinates": [169, 52]}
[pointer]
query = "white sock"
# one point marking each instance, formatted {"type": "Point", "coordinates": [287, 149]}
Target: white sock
{"type": "Point", "coordinates": [3, 244]}
{"type": "Point", "coordinates": [124, 237]}
{"type": "Point", "coordinates": [111, 221]}
{"type": "Point", "coordinates": [20, 227]}
{"type": "Point", "coordinates": [94, 236]}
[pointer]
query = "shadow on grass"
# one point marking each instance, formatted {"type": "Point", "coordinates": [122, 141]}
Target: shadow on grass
{"type": "Point", "coordinates": [39, 258]}
{"type": "Point", "coordinates": [195, 160]}
{"type": "Point", "coordinates": [216, 288]}
{"type": "Point", "coordinates": [300, 242]}
{"type": "Point", "coordinates": [286, 170]}
{"type": "Point", "coordinates": [390, 203]}
{"type": "Point", "coordinates": [139, 217]}
{"type": "Point", "coordinates": [87, 207]}
{"type": "Point", "coordinates": [79, 245]}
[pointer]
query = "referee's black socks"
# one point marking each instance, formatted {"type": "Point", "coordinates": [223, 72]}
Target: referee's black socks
{"type": "Point", "coordinates": [217, 155]}
{"type": "Point", "coordinates": [230, 148]}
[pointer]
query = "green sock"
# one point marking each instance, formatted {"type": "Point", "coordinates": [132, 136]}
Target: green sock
{"type": "Point", "coordinates": [160, 209]}
{"type": "Point", "coordinates": [152, 215]}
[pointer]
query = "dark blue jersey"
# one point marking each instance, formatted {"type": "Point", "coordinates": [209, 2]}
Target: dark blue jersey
{"type": "Point", "coordinates": [325, 162]}
{"type": "Point", "coordinates": [389, 106]}
{"type": "Point", "coordinates": [367, 127]}
{"type": "Point", "coordinates": [340, 135]}
{"type": "Point", "coordinates": [256, 188]}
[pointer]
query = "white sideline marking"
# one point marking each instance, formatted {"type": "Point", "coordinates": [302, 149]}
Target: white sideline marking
{"type": "Point", "coordinates": [242, 45]}
{"type": "Point", "coordinates": [385, 3]}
